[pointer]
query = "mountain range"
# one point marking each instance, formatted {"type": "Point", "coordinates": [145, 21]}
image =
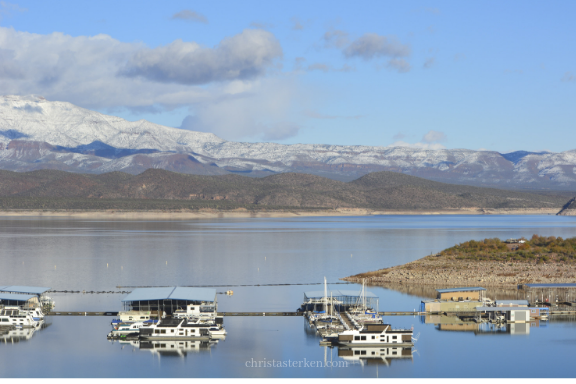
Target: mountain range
{"type": "Point", "coordinates": [39, 134]}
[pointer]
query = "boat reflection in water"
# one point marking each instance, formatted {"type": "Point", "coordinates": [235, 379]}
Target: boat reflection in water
{"type": "Point", "coordinates": [175, 348]}
{"type": "Point", "coordinates": [375, 355]}
{"type": "Point", "coordinates": [11, 335]}
{"type": "Point", "coordinates": [457, 324]}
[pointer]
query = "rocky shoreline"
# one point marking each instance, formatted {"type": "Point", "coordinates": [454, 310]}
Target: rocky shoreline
{"type": "Point", "coordinates": [442, 271]}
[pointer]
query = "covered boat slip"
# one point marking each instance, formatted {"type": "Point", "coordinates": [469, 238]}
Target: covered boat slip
{"type": "Point", "coordinates": [548, 294]}
{"type": "Point", "coordinates": [21, 295]}
{"type": "Point", "coordinates": [20, 300]}
{"type": "Point", "coordinates": [170, 299]}
{"type": "Point", "coordinates": [343, 300]}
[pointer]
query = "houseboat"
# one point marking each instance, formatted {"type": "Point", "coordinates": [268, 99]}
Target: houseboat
{"type": "Point", "coordinates": [175, 329]}
{"type": "Point", "coordinates": [14, 316]}
{"type": "Point", "coordinates": [376, 335]}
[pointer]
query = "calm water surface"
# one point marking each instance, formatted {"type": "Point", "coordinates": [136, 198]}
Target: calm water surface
{"type": "Point", "coordinates": [102, 255]}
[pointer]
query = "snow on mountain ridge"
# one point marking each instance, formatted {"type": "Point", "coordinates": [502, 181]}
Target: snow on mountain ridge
{"type": "Point", "coordinates": [64, 124]}
{"type": "Point", "coordinates": [33, 130]}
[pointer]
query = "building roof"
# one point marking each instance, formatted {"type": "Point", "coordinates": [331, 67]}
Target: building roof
{"type": "Point", "coordinates": [172, 293]}
{"type": "Point", "coordinates": [518, 302]}
{"type": "Point", "coordinates": [463, 289]}
{"type": "Point", "coordinates": [338, 293]}
{"type": "Point", "coordinates": [15, 296]}
{"type": "Point", "coordinates": [557, 285]}
{"type": "Point", "coordinates": [504, 309]}
{"type": "Point", "coordinates": [24, 289]}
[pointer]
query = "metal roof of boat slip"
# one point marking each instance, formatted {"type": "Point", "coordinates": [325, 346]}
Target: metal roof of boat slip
{"type": "Point", "coordinates": [15, 297]}
{"type": "Point", "coordinates": [463, 289]}
{"type": "Point", "coordinates": [337, 293]}
{"type": "Point", "coordinates": [557, 285]}
{"type": "Point", "coordinates": [24, 289]}
{"type": "Point", "coordinates": [171, 293]}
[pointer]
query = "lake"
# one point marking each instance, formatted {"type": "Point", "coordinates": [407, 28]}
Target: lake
{"type": "Point", "coordinates": [240, 254]}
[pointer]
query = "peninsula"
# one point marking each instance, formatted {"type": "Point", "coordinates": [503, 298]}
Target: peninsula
{"type": "Point", "coordinates": [488, 263]}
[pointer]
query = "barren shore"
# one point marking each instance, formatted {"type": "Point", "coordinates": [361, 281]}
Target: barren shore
{"type": "Point", "coordinates": [244, 213]}
{"type": "Point", "coordinates": [444, 272]}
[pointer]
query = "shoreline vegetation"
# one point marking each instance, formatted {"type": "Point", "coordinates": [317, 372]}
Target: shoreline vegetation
{"type": "Point", "coordinates": [211, 213]}
{"type": "Point", "coordinates": [486, 263]}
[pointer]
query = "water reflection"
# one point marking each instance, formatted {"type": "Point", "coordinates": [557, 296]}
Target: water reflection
{"type": "Point", "coordinates": [478, 327]}
{"type": "Point", "coordinates": [11, 335]}
{"type": "Point", "coordinates": [429, 291]}
{"type": "Point", "coordinates": [165, 348]}
{"type": "Point", "coordinates": [375, 355]}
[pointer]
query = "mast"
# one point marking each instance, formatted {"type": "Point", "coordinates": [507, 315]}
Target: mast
{"type": "Point", "coordinates": [325, 296]}
{"type": "Point", "coordinates": [331, 305]}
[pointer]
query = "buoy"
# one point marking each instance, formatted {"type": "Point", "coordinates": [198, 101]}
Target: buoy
{"type": "Point", "coordinates": [106, 265]}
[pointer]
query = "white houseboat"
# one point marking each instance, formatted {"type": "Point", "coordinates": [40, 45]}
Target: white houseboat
{"type": "Point", "coordinates": [14, 317]}
{"type": "Point", "coordinates": [176, 329]}
{"type": "Point", "coordinates": [376, 335]}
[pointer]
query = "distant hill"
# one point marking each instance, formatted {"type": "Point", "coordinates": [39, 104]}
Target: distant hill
{"type": "Point", "coordinates": [379, 191]}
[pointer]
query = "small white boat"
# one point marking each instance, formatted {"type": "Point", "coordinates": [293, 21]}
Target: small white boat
{"type": "Point", "coordinates": [127, 329]}
{"type": "Point", "coordinates": [134, 317]}
{"type": "Point", "coordinates": [217, 332]}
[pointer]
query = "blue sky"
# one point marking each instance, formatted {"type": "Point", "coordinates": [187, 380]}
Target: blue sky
{"type": "Point", "coordinates": [491, 75]}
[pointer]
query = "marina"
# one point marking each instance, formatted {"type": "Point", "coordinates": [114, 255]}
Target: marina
{"type": "Point", "coordinates": [262, 322]}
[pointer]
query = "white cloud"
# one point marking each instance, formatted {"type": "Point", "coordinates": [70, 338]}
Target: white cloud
{"type": "Point", "coordinates": [372, 45]}
{"type": "Point", "coordinates": [192, 16]}
{"type": "Point", "coordinates": [249, 110]}
{"type": "Point", "coordinates": [400, 65]}
{"type": "Point", "coordinates": [419, 145]}
{"type": "Point", "coordinates": [84, 70]}
{"type": "Point", "coordinates": [429, 141]}
{"type": "Point", "coordinates": [434, 136]}
{"type": "Point", "coordinates": [244, 56]}
{"type": "Point", "coordinates": [336, 38]}
{"type": "Point", "coordinates": [7, 8]}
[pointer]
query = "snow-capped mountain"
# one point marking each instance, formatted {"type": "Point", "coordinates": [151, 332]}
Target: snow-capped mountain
{"type": "Point", "coordinates": [36, 133]}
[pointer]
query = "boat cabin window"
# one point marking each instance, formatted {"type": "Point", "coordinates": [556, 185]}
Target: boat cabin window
{"type": "Point", "coordinates": [362, 352]}
{"type": "Point", "coordinates": [356, 352]}
{"type": "Point", "coordinates": [373, 337]}
{"type": "Point", "coordinates": [394, 337]}
{"type": "Point", "coordinates": [356, 337]}
{"type": "Point", "coordinates": [362, 337]}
